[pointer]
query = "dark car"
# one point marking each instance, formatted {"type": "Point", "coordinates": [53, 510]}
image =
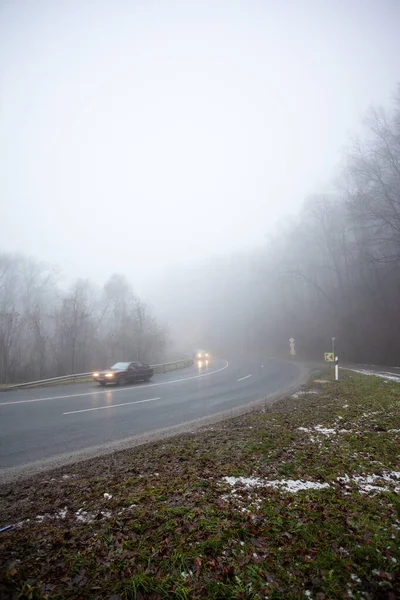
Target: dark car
{"type": "Point", "coordinates": [124, 372]}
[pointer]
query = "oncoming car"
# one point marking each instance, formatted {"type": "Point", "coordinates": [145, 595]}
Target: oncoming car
{"type": "Point", "coordinates": [201, 355]}
{"type": "Point", "coordinates": [124, 372]}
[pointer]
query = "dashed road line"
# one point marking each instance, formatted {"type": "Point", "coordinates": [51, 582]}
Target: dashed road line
{"type": "Point", "coordinates": [73, 412]}
{"type": "Point", "coordinates": [246, 377]}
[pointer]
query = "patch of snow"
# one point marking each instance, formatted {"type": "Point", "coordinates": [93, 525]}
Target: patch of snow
{"type": "Point", "coordinates": [385, 482]}
{"type": "Point", "coordinates": [321, 381]}
{"type": "Point", "coordinates": [21, 523]}
{"type": "Point", "coordinates": [63, 513]}
{"type": "Point", "coordinates": [372, 413]}
{"type": "Point", "coordinates": [326, 431]}
{"type": "Point", "coordinates": [246, 481]}
{"type": "Point", "coordinates": [304, 393]}
{"type": "Point", "coordinates": [292, 485]}
{"type": "Point", "coordinates": [383, 374]}
{"type": "Point", "coordinates": [289, 485]}
{"type": "Point", "coordinates": [345, 406]}
{"type": "Point", "coordinates": [83, 516]}
{"type": "Point", "coordinates": [186, 575]}
{"type": "Point", "coordinates": [107, 496]}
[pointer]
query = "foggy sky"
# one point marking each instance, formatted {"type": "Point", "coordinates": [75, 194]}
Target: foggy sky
{"type": "Point", "coordinates": [135, 136]}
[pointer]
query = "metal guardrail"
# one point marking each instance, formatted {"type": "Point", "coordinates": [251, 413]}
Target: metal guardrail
{"type": "Point", "coordinates": [160, 368]}
{"type": "Point", "coordinates": [172, 366]}
{"type": "Point", "coordinates": [66, 378]}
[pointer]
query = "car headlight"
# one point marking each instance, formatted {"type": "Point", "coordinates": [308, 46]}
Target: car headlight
{"type": "Point", "coordinates": [207, 355]}
{"type": "Point", "coordinates": [199, 355]}
{"type": "Point", "coordinates": [110, 375]}
{"type": "Point", "coordinates": [95, 374]}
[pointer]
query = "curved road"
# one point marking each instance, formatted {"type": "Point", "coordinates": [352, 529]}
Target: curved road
{"type": "Point", "coordinates": [43, 423]}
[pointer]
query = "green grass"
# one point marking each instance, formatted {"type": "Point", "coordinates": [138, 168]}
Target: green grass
{"type": "Point", "coordinates": [175, 530]}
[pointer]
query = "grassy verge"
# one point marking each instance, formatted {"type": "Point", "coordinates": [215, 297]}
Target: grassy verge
{"type": "Point", "coordinates": [294, 501]}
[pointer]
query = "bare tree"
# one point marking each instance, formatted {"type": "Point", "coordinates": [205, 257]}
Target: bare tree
{"type": "Point", "coordinates": [46, 331]}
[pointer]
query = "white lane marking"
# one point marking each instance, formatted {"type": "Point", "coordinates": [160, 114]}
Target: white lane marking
{"type": "Point", "coordinates": [116, 390]}
{"type": "Point", "coordinates": [73, 412]}
{"type": "Point", "coordinates": [247, 376]}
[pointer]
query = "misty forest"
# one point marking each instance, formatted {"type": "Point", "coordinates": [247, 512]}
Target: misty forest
{"type": "Point", "coordinates": [47, 332]}
{"type": "Point", "coordinates": [332, 270]}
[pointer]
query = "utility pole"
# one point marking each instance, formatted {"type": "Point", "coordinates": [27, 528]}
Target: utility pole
{"type": "Point", "coordinates": [333, 346]}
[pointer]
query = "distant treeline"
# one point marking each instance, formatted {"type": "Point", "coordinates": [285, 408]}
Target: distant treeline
{"type": "Point", "coordinates": [46, 331]}
{"type": "Point", "coordinates": [334, 270]}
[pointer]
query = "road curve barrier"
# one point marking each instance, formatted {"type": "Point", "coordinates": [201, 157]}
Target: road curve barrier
{"type": "Point", "coordinates": [160, 368]}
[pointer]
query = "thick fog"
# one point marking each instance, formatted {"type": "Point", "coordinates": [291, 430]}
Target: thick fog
{"type": "Point", "coordinates": [137, 135]}
{"type": "Point", "coordinates": [174, 143]}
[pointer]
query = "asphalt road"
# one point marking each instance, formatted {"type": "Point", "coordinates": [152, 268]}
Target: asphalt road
{"type": "Point", "coordinates": [43, 423]}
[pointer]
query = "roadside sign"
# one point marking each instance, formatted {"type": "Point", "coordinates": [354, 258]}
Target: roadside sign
{"type": "Point", "coordinates": [291, 340]}
{"type": "Point", "coordinates": [292, 352]}
{"type": "Point", "coordinates": [292, 348]}
{"type": "Point", "coordinates": [329, 357]}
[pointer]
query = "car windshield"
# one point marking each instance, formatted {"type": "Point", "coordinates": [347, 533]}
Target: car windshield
{"type": "Point", "coordinates": [120, 365]}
